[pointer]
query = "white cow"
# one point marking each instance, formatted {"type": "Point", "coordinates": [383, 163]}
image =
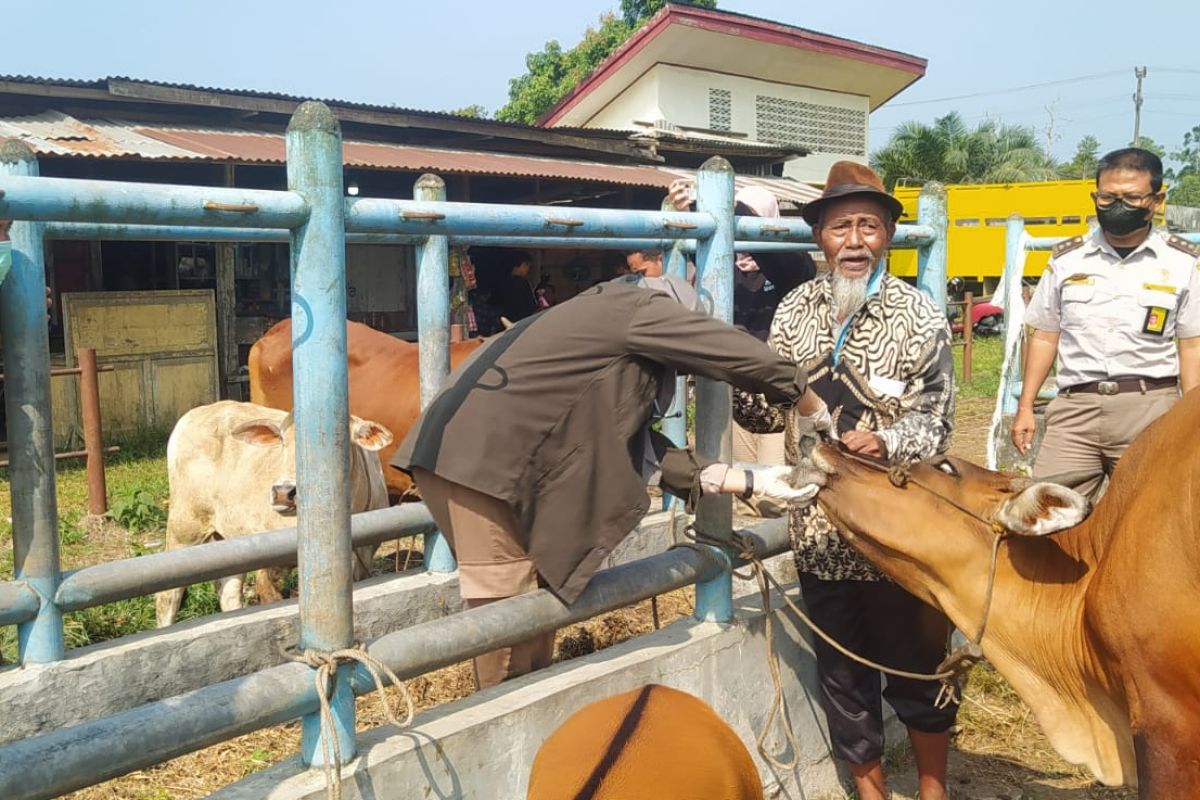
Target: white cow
{"type": "Point", "coordinates": [232, 472]}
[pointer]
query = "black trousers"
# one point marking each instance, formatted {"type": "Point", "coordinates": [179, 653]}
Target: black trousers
{"type": "Point", "coordinates": [882, 622]}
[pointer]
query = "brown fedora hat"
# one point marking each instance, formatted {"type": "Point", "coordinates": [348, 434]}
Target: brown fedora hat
{"type": "Point", "coordinates": [849, 178]}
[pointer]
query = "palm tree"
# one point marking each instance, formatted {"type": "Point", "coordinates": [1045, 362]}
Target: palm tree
{"type": "Point", "coordinates": [950, 152]}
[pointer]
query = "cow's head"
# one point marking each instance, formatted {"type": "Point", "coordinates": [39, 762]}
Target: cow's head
{"type": "Point", "coordinates": [946, 485]}
{"type": "Point", "coordinates": [281, 434]}
{"type": "Point", "coordinates": [934, 534]}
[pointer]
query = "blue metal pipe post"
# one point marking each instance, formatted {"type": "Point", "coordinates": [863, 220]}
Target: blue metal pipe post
{"type": "Point", "coordinates": [1014, 270]}
{"type": "Point", "coordinates": [380, 215]}
{"type": "Point", "coordinates": [714, 401]}
{"type": "Point", "coordinates": [674, 425]}
{"type": "Point", "coordinates": [30, 436]}
{"type": "Point", "coordinates": [931, 258]}
{"type": "Point", "coordinates": [121, 203]}
{"type": "Point", "coordinates": [318, 251]}
{"type": "Point", "coordinates": [433, 336]}
{"type": "Point", "coordinates": [189, 233]}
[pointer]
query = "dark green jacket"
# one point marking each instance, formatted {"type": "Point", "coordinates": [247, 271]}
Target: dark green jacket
{"type": "Point", "coordinates": [551, 415]}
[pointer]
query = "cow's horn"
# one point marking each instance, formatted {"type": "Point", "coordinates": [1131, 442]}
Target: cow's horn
{"type": "Point", "coordinates": [506, 322]}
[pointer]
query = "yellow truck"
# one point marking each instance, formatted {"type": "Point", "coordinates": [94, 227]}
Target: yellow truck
{"type": "Point", "coordinates": [978, 214]}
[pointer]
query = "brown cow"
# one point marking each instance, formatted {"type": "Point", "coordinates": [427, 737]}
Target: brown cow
{"type": "Point", "coordinates": [384, 383]}
{"type": "Point", "coordinates": [1098, 627]}
{"type": "Point", "coordinates": [653, 742]}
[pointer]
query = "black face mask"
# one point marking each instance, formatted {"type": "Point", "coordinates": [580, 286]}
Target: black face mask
{"type": "Point", "coordinates": [1121, 219]}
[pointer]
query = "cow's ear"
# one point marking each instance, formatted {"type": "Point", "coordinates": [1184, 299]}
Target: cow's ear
{"type": "Point", "coordinates": [368, 434]}
{"type": "Point", "coordinates": [1042, 508]}
{"type": "Point", "coordinates": [259, 432]}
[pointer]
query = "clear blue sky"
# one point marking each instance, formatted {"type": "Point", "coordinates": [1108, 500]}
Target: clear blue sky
{"type": "Point", "coordinates": [452, 53]}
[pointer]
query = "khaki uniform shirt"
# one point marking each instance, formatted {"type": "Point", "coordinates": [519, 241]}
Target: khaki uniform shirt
{"type": "Point", "coordinates": [1118, 317]}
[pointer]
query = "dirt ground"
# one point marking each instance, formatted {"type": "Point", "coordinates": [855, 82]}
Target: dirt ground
{"type": "Point", "coordinates": [999, 753]}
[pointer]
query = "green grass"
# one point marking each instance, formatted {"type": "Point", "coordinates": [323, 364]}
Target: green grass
{"type": "Point", "coordinates": [986, 361]}
{"type": "Point", "coordinates": [137, 478]}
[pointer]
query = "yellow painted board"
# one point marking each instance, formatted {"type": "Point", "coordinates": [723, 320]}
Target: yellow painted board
{"type": "Point", "coordinates": [178, 385]}
{"type": "Point", "coordinates": [161, 345]}
{"type": "Point", "coordinates": [978, 214]}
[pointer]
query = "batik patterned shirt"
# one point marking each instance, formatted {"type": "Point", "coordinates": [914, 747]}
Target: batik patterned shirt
{"type": "Point", "coordinates": [890, 370]}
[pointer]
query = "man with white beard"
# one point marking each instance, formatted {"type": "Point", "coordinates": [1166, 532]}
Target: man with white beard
{"type": "Point", "coordinates": [877, 351]}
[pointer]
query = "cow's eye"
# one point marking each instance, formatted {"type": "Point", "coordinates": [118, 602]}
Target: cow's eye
{"type": "Point", "coordinates": [947, 466]}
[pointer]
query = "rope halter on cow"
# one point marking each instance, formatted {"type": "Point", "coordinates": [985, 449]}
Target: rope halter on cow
{"type": "Point", "coordinates": [961, 659]}
{"type": "Point", "coordinates": [952, 672]}
{"type": "Point", "coordinates": [326, 664]}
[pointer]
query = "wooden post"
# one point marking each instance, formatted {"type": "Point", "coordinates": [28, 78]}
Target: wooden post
{"type": "Point", "coordinates": [95, 281]}
{"type": "Point", "coordinates": [968, 332]}
{"type": "Point", "coordinates": [93, 438]}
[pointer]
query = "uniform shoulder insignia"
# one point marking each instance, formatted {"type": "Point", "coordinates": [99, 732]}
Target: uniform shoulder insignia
{"type": "Point", "coordinates": [1179, 243]}
{"type": "Point", "coordinates": [1067, 245]}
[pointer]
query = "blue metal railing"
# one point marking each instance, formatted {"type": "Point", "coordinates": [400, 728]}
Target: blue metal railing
{"type": "Point", "coordinates": [318, 221]}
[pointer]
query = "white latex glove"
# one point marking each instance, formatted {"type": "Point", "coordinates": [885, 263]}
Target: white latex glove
{"type": "Point", "coordinates": [820, 421]}
{"type": "Point", "coordinates": [773, 483]}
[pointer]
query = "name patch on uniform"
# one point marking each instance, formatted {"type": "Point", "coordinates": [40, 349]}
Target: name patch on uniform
{"type": "Point", "coordinates": [1080, 278]}
{"type": "Point", "coordinates": [1159, 287]}
{"type": "Point", "coordinates": [1156, 320]}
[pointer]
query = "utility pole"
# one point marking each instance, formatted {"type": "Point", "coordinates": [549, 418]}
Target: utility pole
{"type": "Point", "coordinates": [1139, 73]}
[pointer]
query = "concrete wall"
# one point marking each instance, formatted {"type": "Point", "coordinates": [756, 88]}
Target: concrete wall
{"type": "Point", "coordinates": [482, 746]}
{"type": "Point", "coordinates": [679, 95]}
{"type": "Point", "coordinates": [113, 676]}
{"type": "Point", "coordinates": [639, 102]}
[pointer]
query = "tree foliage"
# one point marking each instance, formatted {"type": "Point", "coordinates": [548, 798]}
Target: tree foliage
{"type": "Point", "coordinates": [552, 72]}
{"type": "Point", "coordinates": [474, 111]}
{"type": "Point", "coordinates": [1185, 180]}
{"type": "Point", "coordinates": [1146, 143]}
{"type": "Point", "coordinates": [1185, 191]}
{"type": "Point", "coordinates": [1189, 154]}
{"type": "Point", "coordinates": [1083, 165]}
{"type": "Point", "coordinates": [950, 152]}
{"type": "Point", "coordinates": [635, 12]}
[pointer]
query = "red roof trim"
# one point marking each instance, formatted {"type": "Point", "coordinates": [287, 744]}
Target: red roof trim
{"type": "Point", "coordinates": [735, 25]}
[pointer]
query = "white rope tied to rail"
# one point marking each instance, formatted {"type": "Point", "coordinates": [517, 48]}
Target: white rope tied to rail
{"type": "Point", "coordinates": [326, 664]}
{"type": "Point", "coordinates": [951, 673]}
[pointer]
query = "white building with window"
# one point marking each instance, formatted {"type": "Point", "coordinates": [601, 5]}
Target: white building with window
{"type": "Point", "coordinates": [703, 73]}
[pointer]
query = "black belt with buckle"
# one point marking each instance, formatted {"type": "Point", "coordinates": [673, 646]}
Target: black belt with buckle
{"type": "Point", "coordinates": [1122, 385]}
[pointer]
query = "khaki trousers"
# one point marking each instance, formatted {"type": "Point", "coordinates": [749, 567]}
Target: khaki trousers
{"type": "Point", "coordinates": [492, 565]}
{"type": "Point", "coordinates": [1087, 432]}
{"type": "Point", "coordinates": [757, 448]}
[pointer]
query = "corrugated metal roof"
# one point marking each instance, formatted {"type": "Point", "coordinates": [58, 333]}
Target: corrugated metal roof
{"type": "Point", "coordinates": [127, 86]}
{"type": "Point", "coordinates": [58, 134]}
{"type": "Point", "coordinates": [55, 133]}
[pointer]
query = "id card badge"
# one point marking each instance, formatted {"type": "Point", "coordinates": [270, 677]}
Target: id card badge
{"type": "Point", "coordinates": [1156, 320]}
{"type": "Point", "coordinates": [5, 259]}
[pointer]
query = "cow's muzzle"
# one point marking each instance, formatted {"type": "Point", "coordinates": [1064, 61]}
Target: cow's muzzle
{"type": "Point", "coordinates": [283, 497]}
